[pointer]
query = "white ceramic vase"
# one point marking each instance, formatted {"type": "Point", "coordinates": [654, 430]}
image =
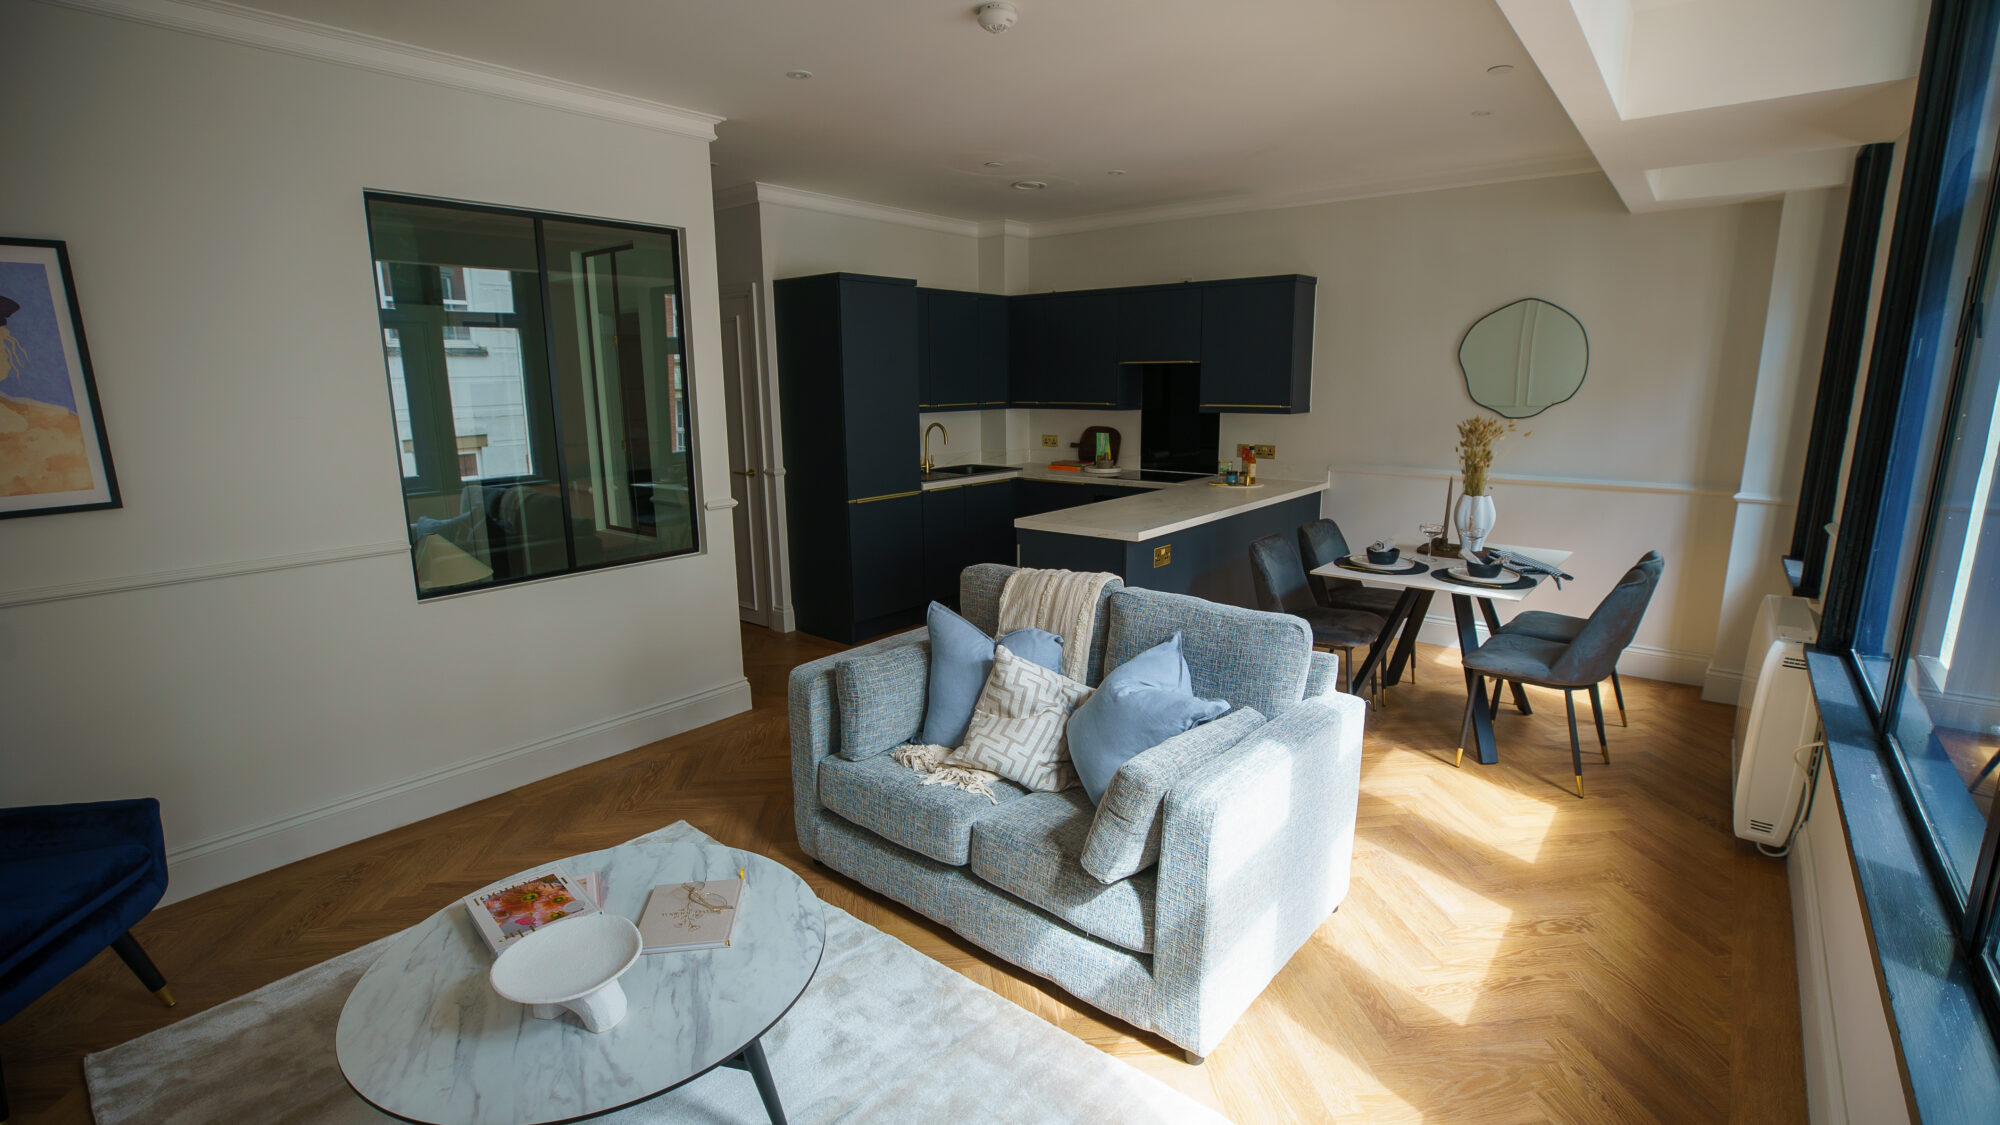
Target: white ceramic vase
{"type": "Point", "coordinates": [572, 966]}
{"type": "Point", "coordinates": [1474, 518]}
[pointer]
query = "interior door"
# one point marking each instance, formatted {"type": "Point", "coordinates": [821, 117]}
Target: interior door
{"type": "Point", "coordinates": [749, 472]}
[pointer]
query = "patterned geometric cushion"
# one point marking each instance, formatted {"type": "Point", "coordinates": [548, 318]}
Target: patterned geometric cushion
{"type": "Point", "coordinates": [1029, 849]}
{"type": "Point", "coordinates": [1249, 657]}
{"type": "Point", "coordinates": [1017, 728]}
{"type": "Point", "coordinates": [895, 804]}
{"type": "Point", "coordinates": [1125, 833]}
{"type": "Point", "coordinates": [881, 699]}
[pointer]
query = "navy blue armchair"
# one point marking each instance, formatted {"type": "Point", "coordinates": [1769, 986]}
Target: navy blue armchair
{"type": "Point", "coordinates": [99, 868]}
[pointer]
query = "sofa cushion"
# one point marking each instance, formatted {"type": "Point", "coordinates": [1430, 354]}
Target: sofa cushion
{"type": "Point", "coordinates": [961, 659]}
{"type": "Point", "coordinates": [1141, 703]}
{"type": "Point", "coordinates": [979, 589]}
{"type": "Point", "coordinates": [881, 698]}
{"type": "Point", "coordinates": [1251, 658]}
{"type": "Point", "coordinates": [1125, 832]}
{"type": "Point", "coordinates": [894, 803]}
{"type": "Point", "coordinates": [1017, 729]}
{"type": "Point", "coordinates": [1029, 848]}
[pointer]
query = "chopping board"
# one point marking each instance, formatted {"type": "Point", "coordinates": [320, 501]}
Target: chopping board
{"type": "Point", "coordinates": [1086, 446]}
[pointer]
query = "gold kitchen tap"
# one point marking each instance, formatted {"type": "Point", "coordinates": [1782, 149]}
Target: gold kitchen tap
{"type": "Point", "coordinates": [928, 464]}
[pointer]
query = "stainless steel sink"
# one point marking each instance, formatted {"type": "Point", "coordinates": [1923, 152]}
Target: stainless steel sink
{"type": "Point", "coordinates": [946, 472]}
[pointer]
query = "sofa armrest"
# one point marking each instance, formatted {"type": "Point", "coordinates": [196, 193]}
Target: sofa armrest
{"type": "Point", "coordinates": [1254, 856]}
{"type": "Point", "coordinates": [813, 701]}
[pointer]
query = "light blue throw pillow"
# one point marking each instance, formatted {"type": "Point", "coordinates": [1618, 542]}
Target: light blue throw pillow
{"type": "Point", "coordinates": [961, 659]}
{"type": "Point", "coordinates": [1141, 703]}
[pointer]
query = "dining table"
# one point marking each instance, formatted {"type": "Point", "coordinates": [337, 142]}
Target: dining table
{"type": "Point", "coordinates": [1396, 644]}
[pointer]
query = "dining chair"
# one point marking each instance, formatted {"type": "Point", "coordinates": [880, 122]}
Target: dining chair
{"type": "Point", "coordinates": [1576, 665]}
{"type": "Point", "coordinates": [1280, 582]}
{"type": "Point", "coordinates": [1321, 544]}
{"type": "Point", "coordinates": [1547, 626]}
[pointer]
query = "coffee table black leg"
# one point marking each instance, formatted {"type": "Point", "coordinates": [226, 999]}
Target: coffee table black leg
{"type": "Point", "coordinates": [752, 1059]}
{"type": "Point", "coordinates": [1413, 622]}
{"type": "Point", "coordinates": [1492, 628]}
{"type": "Point", "coordinates": [1475, 684]}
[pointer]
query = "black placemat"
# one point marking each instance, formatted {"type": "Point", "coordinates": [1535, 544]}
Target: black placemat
{"type": "Point", "coordinates": [1445, 575]}
{"type": "Point", "coordinates": [1415, 567]}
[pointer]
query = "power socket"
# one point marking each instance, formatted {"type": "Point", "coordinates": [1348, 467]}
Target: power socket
{"type": "Point", "coordinates": [1265, 452]}
{"type": "Point", "coordinates": [1049, 440]}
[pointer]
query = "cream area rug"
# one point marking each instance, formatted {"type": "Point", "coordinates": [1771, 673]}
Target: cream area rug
{"type": "Point", "coordinates": [883, 1034]}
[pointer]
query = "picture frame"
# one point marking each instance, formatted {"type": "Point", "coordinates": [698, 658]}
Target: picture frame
{"type": "Point", "coordinates": [54, 453]}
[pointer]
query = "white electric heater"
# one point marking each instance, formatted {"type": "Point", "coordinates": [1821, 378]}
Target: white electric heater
{"type": "Point", "coordinates": [1775, 718]}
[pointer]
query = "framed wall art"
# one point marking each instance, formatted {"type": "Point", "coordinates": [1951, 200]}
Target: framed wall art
{"type": "Point", "coordinates": [53, 452]}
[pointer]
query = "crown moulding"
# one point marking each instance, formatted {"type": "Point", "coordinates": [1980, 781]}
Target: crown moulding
{"type": "Point", "coordinates": [233, 23]}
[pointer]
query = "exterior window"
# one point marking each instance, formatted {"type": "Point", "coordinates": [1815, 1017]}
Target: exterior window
{"type": "Point", "coordinates": [530, 447]}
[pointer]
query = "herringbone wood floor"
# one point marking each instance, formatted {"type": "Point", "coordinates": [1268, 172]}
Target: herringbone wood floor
{"type": "Point", "coordinates": [1508, 952]}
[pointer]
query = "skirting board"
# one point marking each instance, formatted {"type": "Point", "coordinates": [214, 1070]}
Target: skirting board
{"type": "Point", "coordinates": [221, 860]}
{"type": "Point", "coordinates": [1645, 661]}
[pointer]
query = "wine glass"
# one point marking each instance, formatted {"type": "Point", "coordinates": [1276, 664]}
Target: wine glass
{"type": "Point", "coordinates": [1430, 532]}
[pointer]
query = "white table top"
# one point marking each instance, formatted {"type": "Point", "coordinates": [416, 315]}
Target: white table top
{"type": "Point", "coordinates": [1429, 581]}
{"type": "Point", "coordinates": [425, 1037]}
{"type": "Point", "coordinates": [1163, 511]}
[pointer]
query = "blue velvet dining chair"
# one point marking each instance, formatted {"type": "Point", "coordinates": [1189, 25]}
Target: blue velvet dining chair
{"type": "Point", "coordinates": [96, 869]}
{"type": "Point", "coordinates": [1546, 626]}
{"type": "Point", "coordinates": [1279, 579]}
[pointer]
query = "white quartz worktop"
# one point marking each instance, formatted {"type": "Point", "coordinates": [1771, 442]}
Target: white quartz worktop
{"type": "Point", "coordinates": [1039, 471]}
{"type": "Point", "coordinates": [1165, 510]}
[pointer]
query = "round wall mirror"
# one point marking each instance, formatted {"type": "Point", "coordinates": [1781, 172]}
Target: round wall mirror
{"type": "Point", "coordinates": [1523, 358]}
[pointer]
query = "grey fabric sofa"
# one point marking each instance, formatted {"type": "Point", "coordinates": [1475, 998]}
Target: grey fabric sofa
{"type": "Point", "coordinates": [1254, 837]}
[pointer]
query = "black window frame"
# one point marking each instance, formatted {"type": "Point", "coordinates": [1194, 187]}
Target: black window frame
{"type": "Point", "coordinates": [683, 315]}
{"type": "Point", "coordinates": [1940, 985]}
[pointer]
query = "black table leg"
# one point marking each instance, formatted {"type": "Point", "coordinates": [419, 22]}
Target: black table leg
{"type": "Point", "coordinates": [1413, 623]}
{"type": "Point", "coordinates": [1475, 684]}
{"type": "Point", "coordinates": [1378, 652]}
{"type": "Point", "coordinates": [1492, 629]}
{"type": "Point", "coordinates": [752, 1059]}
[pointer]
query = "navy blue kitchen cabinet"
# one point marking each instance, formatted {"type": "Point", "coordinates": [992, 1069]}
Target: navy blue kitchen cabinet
{"type": "Point", "coordinates": [1082, 370]}
{"type": "Point", "coordinates": [1033, 497]}
{"type": "Point", "coordinates": [847, 374]}
{"type": "Point", "coordinates": [963, 525]}
{"type": "Point", "coordinates": [1256, 345]}
{"type": "Point", "coordinates": [962, 350]}
{"type": "Point", "coordinates": [1029, 346]}
{"type": "Point", "coordinates": [1159, 324]}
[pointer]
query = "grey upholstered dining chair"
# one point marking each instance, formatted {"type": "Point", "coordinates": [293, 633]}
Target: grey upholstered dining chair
{"type": "Point", "coordinates": [1280, 583]}
{"type": "Point", "coordinates": [1546, 626]}
{"type": "Point", "coordinates": [1577, 665]}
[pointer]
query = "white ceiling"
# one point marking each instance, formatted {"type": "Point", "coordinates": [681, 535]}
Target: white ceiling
{"type": "Point", "coordinates": [1199, 102]}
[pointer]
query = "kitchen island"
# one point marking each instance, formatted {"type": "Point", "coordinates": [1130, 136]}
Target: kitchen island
{"type": "Point", "coordinates": [1190, 538]}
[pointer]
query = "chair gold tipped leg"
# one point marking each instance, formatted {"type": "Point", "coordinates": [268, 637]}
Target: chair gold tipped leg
{"type": "Point", "coordinates": [1579, 786]}
{"type": "Point", "coordinates": [1460, 760]}
{"type": "Point", "coordinates": [1604, 748]}
{"type": "Point", "coordinates": [166, 995]}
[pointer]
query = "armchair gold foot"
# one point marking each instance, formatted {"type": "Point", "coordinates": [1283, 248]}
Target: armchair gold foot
{"type": "Point", "coordinates": [166, 995]}
{"type": "Point", "coordinates": [1460, 760]}
{"type": "Point", "coordinates": [1579, 786]}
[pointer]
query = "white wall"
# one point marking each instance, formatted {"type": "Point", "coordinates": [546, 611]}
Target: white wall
{"type": "Point", "coordinates": [242, 638]}
{"type": "Point", "coordinates": [1648, 453]}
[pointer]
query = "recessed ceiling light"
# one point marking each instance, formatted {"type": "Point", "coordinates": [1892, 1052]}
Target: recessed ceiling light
{"type": "Point", "coordinates": [1503, 68]}
{"type": "Point", "coordinates": [1482, 113]}
{"type": "Point", "coordinates": [800, 74]}
{"type": "Point", "coordinates": [996, 164]}
{"type": "Point", "coordinates": [1116, 172]}
{"type": "Point", "coordinates": [1029, 185]}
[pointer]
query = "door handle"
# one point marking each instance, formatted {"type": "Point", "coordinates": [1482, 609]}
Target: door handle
{"type": "Point", "coordinates": [742, 472]}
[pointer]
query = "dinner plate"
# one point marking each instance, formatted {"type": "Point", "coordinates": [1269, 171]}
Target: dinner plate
{"type": "Point", "coordinates": [1503, 578]}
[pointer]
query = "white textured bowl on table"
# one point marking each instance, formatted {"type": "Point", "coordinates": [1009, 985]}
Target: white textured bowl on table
{"type": "Point", "coordinates": [574, 965]}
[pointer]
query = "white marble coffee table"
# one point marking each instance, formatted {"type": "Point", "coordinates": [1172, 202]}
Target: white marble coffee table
{"type": "Point", "coordinates": [424, 1037]}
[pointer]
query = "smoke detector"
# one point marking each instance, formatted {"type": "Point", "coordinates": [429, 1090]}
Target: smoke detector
{"type": "Point", "coordinates": [996, 17]}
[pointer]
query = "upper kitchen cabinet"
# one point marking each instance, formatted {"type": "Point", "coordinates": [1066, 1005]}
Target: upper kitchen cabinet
{"type": "Point", "coordinates": [1160, 325]}
{"type": "Point", "coordinates": [962, 350]}
{"type": "Point", "coordinates": [1029, 347]}
{"type": "Point", "coordinates": [1080, 366]}
{"type": "Point", "coordinates": [1256, 345]}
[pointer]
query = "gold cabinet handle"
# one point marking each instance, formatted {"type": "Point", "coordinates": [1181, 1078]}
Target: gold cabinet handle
{"type": "Point", "coordinates": [742, 472]}
{"type": "Point", "coordinates": [885, 496]}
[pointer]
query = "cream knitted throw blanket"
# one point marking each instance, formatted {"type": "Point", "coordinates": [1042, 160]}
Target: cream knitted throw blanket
{"type": "Point", "coordinates": [1063, 602]}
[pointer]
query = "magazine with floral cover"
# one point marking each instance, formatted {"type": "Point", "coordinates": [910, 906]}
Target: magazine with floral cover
{"type": "Point", "coordinates": [514, 908]}
{"type": "Point", "coordinates": [699, 914]}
